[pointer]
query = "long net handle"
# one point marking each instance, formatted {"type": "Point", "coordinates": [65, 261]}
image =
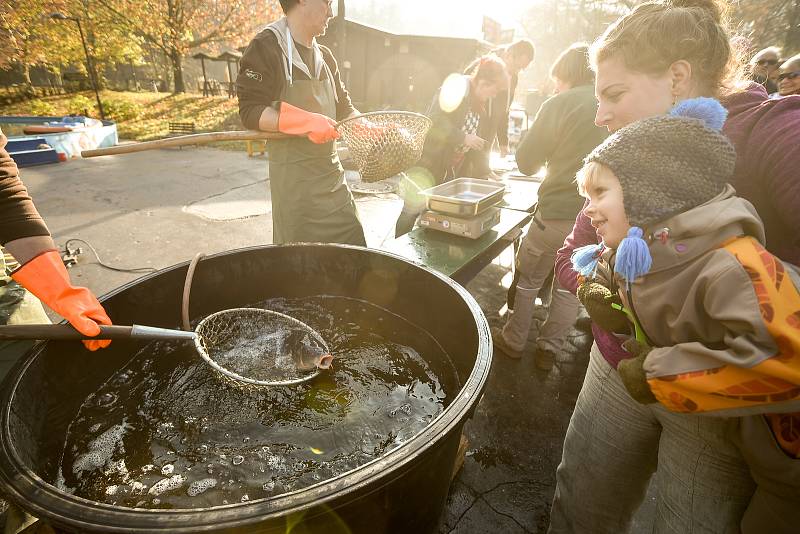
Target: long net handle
{"type": "Point", "coordinates": [184, 140]}
{"type": "Point", "coordinates": [60, 332]}
{"type": "Point", "coordinates": [211, 137]}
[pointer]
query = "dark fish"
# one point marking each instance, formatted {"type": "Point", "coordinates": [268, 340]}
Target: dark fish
{"type": "Point", "coordinates": [307, 351]}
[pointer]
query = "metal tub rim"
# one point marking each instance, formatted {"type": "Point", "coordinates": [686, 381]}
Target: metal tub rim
{"type": "Point", "coordinates": [45, 500]}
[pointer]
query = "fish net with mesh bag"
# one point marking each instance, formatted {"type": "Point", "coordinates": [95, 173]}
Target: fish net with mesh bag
{"type": "Point", "coordinates": [384, 143]}
{"type": "Point", "coordinates": [255, 347]}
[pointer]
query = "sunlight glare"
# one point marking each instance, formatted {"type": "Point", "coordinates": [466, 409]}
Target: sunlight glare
{"type": "Point", "coordinates": [453, 91]}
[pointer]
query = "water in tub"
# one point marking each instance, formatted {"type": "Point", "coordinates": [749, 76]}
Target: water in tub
{"type": "Point", "coordinates": [167, 432]}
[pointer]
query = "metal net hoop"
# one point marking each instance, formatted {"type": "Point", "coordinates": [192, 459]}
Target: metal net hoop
{"type": "Point", "coordinates": [229, 341]}
{"type": "Point", "coordinates": [384, 143]}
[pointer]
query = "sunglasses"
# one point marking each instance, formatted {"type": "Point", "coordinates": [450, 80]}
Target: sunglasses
{"type": "Point", "coordinates": [767, 62]}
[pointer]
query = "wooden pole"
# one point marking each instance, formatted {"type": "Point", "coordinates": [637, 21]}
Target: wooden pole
{"type": "Point", "coordinates": [184, 140]}
{"type": "Point", "coordinates": [230, 78]}
{"type": "Point", "coordinates": [205, 82]}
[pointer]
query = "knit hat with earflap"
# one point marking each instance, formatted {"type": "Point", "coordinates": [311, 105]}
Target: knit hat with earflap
{"type": "Point", "coordinates": [666, 165]}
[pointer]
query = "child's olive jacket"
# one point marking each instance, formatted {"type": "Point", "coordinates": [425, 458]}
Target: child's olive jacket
{"type": "Point", "coordinates": [702, 312]}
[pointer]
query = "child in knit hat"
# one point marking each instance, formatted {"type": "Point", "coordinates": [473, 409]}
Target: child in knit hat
{"type": "Point", "coordinates": [716, 318]}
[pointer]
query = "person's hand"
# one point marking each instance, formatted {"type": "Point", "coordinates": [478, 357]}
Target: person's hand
{"type": "Point", "coordinates": [598, 300]}
{"type": "Point", "coordinates": [631, 371]}
{"type": "Point", "coordinates": [46, 277]}
{"type": "Point", "coordinates": [473, 142]}
{"type": "Point", "coordinates": [317, 127]}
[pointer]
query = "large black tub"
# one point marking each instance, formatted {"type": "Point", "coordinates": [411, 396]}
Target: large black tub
{"type": "Point", "coordinates": [403, 491]}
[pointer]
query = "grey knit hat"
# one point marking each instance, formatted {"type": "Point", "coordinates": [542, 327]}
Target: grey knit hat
{"type": "Point", "coordinates": [672, 163]}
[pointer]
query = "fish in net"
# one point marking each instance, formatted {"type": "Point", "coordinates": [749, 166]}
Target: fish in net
{"type": "Point", "coordinates": [261, 347]}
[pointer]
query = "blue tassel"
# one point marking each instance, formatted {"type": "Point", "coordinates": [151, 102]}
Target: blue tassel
{"type": "Point", "coordinates": [633, 256]}
{"type": "Point", "coordinates": [584, 259]}
{"type": "Point", "coordinates": [708, 110]}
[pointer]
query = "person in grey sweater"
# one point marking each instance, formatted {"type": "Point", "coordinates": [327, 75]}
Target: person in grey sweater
{"type": "Point", "coordinates": [562, 134]}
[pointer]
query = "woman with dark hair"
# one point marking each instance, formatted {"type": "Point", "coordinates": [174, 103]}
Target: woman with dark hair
{"type": "Point", "coordinates": [517, 56]}
{"type": "Point", "coordinates": [457, 144]}
{"type": "Point", "coordinates": [650, 60]}
{"type": "Point", "coordinates": [561, 135]}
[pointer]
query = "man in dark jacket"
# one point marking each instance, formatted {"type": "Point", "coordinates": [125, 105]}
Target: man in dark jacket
{"type": "Point", "coordinates": [289, 83]}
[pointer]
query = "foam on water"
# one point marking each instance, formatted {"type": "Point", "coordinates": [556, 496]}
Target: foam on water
{"type": "Point", "coordinates": [167, 484]}
{"type": "Point", "coordinates": [61, 484]}
{"type": "Point", "coordinates": [180, 437]}
{"type": "Point", "coordinates": [101, 449]}
{"type": "Point", "coordinates": [200, 486]}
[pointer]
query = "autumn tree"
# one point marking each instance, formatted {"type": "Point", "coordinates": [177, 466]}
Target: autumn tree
{"type": "Point", "coordinates": [176, 26]}
{"type": "Point", "coordinates": [553, 25]}
{"type": "Point", "coordinates": [108, 41]}
{"type": "Point", "coordinates": [27, 35]}
{"type": "Point", "coordinates": [770, 23]}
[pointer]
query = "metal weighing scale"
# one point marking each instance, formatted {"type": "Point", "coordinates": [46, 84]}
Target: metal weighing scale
{"type": "Point", "coordinates": [464, 206]}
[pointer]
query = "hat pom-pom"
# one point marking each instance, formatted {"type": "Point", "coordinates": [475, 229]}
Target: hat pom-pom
{"type": "Point", "coordinates": [584, 259]}
{"type": "Point", "coordinates": [708, 110]}
{"type": "Point", "coordinates": [633, 256]}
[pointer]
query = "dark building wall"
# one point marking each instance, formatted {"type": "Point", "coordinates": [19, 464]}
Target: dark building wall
{"type": "Point", "coordinates": [383, 70]}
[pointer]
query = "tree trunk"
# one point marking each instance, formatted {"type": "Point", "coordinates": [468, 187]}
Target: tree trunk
{"type": "Point", "coordinates": [177, 70]}
{"type": "Point", "coordinates": [26, 77]}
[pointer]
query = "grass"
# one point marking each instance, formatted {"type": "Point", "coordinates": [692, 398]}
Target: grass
{"type": "Point", "coordinates": [156, 111]}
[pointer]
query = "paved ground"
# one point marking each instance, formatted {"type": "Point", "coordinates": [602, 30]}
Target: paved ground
{"type": "Point", "coordinates": [155, 209]}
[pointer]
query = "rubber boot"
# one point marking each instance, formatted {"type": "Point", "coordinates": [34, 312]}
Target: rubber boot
{"type": "Point", "coordinates": [518, 325]}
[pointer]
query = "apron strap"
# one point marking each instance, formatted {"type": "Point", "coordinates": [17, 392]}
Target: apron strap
{"type": "Point", "coordinates": [330, 80]}
{"type": "Point", "coordinates": [284, 35]}
{"type": "Point", "coordinates": [289, 45]}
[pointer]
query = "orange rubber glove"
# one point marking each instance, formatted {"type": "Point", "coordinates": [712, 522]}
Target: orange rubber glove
{"type": "Point", "coordinates": [46, 277]}
{"type": "Point", "coordinates": [317, 127]}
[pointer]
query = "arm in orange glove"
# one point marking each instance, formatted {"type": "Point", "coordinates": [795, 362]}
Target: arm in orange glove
{"type": "Point", "coordinates": [46, 277]}
{"type": "Point", "coordinates": [317, 127]}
